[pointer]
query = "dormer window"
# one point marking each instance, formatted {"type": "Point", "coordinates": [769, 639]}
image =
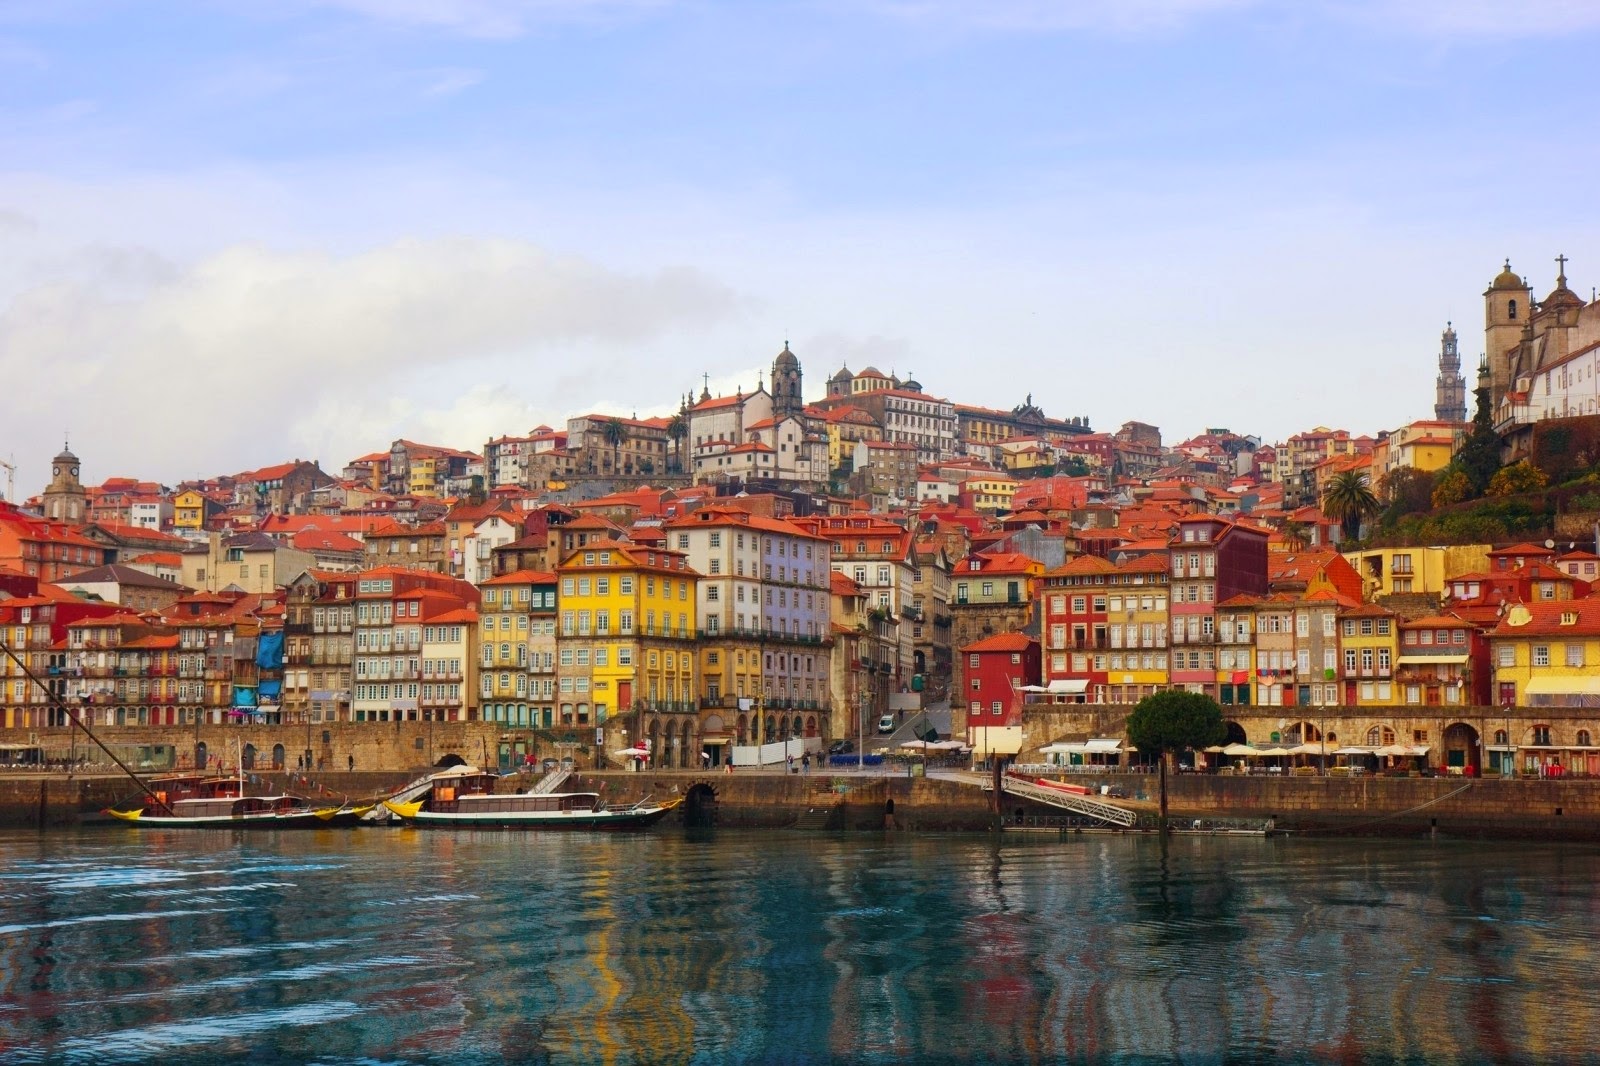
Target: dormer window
{"type": "Point", "coordinates": [1569, 618]}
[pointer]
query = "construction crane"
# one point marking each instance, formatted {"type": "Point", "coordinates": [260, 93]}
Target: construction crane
{"type": "Point", "coordinates": [11, 479]}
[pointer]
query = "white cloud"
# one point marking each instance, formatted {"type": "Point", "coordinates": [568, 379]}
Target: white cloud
{"type": "Point", "coordinates": [251, 352]}
{"type": "Point", "coordinates": [491, 18]}
{"type": "Point", "coordinates": [1466, 18]}
{"type": "Point", "coordinates": [449, 81]}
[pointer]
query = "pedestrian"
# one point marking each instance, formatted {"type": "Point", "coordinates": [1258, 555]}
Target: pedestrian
{"type": "Point", "coordinates": [805, 763]}
{"type": "Point", "coordinates": [352, 761]}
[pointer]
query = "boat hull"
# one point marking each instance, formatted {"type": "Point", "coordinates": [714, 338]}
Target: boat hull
{"type": "Point", "coordinates": [311, 819]}
{"type": "Point", "coordinates": [641, 818]}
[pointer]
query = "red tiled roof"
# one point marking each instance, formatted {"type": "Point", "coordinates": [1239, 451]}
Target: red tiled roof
{"type": "Point", "coordinates": [1003, 642]}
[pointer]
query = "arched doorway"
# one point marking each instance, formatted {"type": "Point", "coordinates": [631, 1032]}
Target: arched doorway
{"type": "Point", "coordinates": [247, 759]}
{"type": "Point", "coordinates": [1462, 751]}
{"type": "Point", "coordinates": [200, 755]}
{"type": "Point", "coordinates": [277, 756]}
{"type": "Point", "coordinates": [700, 807]}
{"type": "Point", "coordinates": [811, 725]}
{"type": "Point", "coordinates": [669, 755]}
{"type": "Point", "coordinates": [771, 730]}
{"type": "Point", "coordinates": [653, 732]}
{"type": "Point", "coordinates": [1235, 734]}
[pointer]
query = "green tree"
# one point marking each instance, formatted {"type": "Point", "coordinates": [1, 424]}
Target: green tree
{"type": "Point", "coordinates": [1295, 533]}
{"type": "Point", "coordinates": [1517, 478]}
{"type": "Point", "coordinates": [1479, 457]}
{"type": "Point", "coordinates": [1453, 487]}
{"type": "Point", "coordinates": [1171, 721]}
{"type": "Point", "coordinates": [1405, 490]}
{"type": "Point", "coordinates": [614, 433]}
{"type": "Point", "coordinates": [1348, 501]}
{"type": "Point", "coordinates": [677, 430]}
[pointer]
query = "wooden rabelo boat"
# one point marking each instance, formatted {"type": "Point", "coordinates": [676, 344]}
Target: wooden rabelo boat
{"type": "Point", "coordinates": [199, 801]}
{"type": "Point", "coordinates": [464, 798]}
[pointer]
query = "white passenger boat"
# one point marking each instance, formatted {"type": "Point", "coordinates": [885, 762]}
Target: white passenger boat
{"type": "Point", "coordinates": [464, 797]}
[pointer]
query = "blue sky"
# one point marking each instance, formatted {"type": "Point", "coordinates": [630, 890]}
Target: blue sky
{"type": "Point", "coordinates": [233, 233]}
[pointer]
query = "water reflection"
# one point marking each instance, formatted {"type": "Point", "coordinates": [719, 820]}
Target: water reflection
{"type": "Point", "coordinates": [671, 947]}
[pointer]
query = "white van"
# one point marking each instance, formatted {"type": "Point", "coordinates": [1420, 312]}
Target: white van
{"type": "Point", "coordinates": [886, 724]}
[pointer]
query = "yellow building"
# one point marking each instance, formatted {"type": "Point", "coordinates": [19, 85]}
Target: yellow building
{"type": "Point", "coordinates": [1386, 571]}
{"type": "Point", "coordinates": [423, 471]}
{"type": "Point", "coordinates": [449, 663]}
{"type": "Point", "coordinates": [1026, 456]}
{"type": "Point", "coordinates": [990, 492]}
{"type": "Point", "coordinates": [1546, 655]}
{"type": "Point", "coordinates": [1136, 601]}
{"type": "Point", "coordinates": [626, 644]}
{"type": "Point", "coordinates": [190, 510]}
{"type": "Point", "coordinates": [518, 638]}
{"type": "Point", "coordinates": [1369, 646]}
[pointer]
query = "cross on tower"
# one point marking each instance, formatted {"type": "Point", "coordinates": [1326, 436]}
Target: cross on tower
{"type": "Point", "coordinates": [1561, 269]}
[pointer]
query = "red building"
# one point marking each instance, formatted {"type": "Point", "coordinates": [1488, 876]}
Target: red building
{"type": "Point", "coordinates": [1213, 560]}
{"type": "Point", "coordinates": [1074, 621]}
{"type": "Point", "coordinates": [996, 669]}
{"type": "Point", "coordinates": [1443, 660]}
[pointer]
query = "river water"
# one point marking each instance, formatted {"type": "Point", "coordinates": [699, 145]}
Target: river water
{"type": "Point", "coordinates": [415, 946]}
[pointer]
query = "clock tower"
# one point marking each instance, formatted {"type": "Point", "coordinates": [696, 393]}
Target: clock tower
{"type": "Point", "coordinates": [65, 500]}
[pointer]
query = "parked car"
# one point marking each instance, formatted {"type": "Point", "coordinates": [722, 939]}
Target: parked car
{"type": "Point", "coordinates": [886, 724]}
{"type": "Point", "coordinates": [842, 747]}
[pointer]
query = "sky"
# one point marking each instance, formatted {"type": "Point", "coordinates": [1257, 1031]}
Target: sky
{"type": "Point", "coordinates": [234, 233]}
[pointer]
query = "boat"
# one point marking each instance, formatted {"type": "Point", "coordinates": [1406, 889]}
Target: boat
{"type": "Point", "coordinates": [464, 797]}
{"type": "Point", "coordinates": [200, 801]}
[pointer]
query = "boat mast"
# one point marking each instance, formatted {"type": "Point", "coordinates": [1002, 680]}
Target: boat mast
{"type": "Point", "coordinates": [72, 715]}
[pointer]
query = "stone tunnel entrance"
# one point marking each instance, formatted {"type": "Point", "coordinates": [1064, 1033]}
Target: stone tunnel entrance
{"type": "Point", "coordinates": [700, 806]}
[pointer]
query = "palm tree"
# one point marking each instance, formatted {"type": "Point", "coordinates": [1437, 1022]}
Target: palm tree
{"type": "Point", "coordinates": [677, 430]}
{"type": "Point", "coordinates": [1295, 533]}
{"type": "Point", "coordinates": [614, 433]}
{"type": "Point", "coordinates": [1349, 500]}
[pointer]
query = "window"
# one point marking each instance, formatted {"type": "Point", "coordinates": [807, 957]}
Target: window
{"type": "Point", "coordinates": [1541, 736]}
{"type": "Point", "coordinates": [1541, 655]}
{"type": "Point", "coordinates": [995, 708]}
{"type": "Point", "coordinates": [1574, 654]}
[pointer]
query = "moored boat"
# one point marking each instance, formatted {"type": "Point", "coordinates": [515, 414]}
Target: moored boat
{"type": "Point", "coordinates": [197, 801]}
{"type": "Point", "coordinates": [464, 797]}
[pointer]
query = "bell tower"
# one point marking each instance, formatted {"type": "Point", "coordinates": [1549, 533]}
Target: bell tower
{"type": "Point", "coordinates": [786, 398]}
{"type": "Point", "coordinates": [65, 499]}
{"type": "Point", "coordinates": [1450, 391]}
{"type": "Point", "coordinates": [1506, 311]}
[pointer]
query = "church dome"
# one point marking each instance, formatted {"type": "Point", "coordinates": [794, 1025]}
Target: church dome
{"type": "Point", "coordinates": [1507, 279]}
{"type": "Point", "coordinates": [785, 359]}
{"type": "Point", "coordinates": [843, 375]}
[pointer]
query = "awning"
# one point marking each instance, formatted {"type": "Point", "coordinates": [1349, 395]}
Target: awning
{"type": "Point", "coordinates": [1424, 660]}
{"type": "Point", "coordinates": [1355, 751]}
{"type": "Point", "coordinates": [1103, 746]}
{"type": "Point", "coordinates": [1063, 749]}
{"type": "Point", "coordinates": [1500, 747]}
{"type": "Point", "coordinates": [1239, 749]}
{"type": "Point", "coordinates": [1310, 749]}
{"type": "Point", "coordinates": [1402, 750]}
{"type": "Point", "coordinates": [1274, 751]}
{"type": "Point", "coordinates": [1069, 686]}
{"type": "Point", "coordinates": [715, 742]}
{"type": "Point", "coordinates": [1563, 686]}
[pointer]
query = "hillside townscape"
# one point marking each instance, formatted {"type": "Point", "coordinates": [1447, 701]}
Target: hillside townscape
{"type": "Point", "coordinates": [760, 566]}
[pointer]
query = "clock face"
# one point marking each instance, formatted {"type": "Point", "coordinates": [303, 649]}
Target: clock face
{"type": "Point", "coordinates": [56, 470]}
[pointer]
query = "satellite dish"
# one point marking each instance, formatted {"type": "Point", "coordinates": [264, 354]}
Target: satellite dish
{"type": "Point", "coordinates": [1549, 544]}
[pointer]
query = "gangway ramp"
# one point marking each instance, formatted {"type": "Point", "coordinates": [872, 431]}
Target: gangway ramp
{"type": "Point", "coordinates": [1067, 801]}
{"type": "Point", "coordinates": [551, 781]}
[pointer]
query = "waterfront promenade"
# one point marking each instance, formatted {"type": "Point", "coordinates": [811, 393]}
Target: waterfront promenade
{"type": "Point", "coordinates": [943, 800]}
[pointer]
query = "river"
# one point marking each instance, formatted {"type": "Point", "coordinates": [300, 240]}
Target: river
{"type": "Point", "coordinates": [405, 946]}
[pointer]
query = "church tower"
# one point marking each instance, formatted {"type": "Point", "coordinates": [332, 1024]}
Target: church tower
{"type": "Point", "coordinates": [1450, 392]}
{"type": "Point", "coordinates": [65, 500]}
{"type": "Point", "coordinates": [786, 398]}
{"type": "Point", "coordinates": [1505, 311]}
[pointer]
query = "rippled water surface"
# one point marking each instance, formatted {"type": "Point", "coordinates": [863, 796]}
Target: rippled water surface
{"type": "Point", "coordinates": [407, 946]}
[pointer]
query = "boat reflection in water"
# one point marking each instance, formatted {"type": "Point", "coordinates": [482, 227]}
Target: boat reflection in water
{"type": "Point", "coordinates": [198, 801]}
{"type": "Point", "coordinates": [465, 797]}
